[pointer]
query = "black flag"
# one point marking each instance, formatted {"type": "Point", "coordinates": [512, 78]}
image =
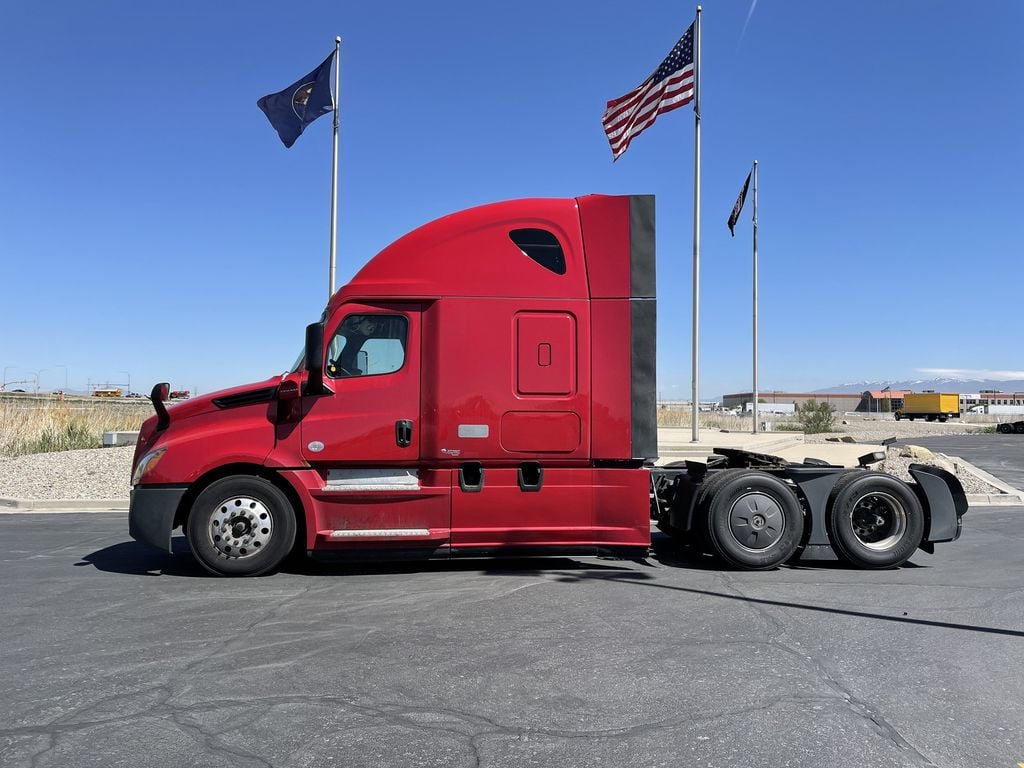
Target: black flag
{"type": "Point", "coordinates": [739, 206]}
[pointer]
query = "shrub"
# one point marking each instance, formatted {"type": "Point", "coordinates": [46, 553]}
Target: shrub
{"type": "Point", "coordinates": [816, 416]}
{"type": "Point", "coordinates": [787, 426]}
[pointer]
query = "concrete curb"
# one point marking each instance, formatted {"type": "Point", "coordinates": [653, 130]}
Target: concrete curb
{"type": "Point", "coordinates": [1010, 495]}
{"type": "Point", "coordinates": [13, 506]}
{"type": "Point", "coordinates": [986, 477]}
{"type": "Point", "coordinates": [994, 500]}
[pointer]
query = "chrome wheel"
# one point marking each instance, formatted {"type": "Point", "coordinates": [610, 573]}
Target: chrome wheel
{"type": "Point", "coordinates": [879, 520]}
{"type": "Point", "coordinates": [240, 527]}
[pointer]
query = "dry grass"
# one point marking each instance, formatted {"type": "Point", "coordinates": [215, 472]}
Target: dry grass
{"type": "Point", "coordinates": [681, 416]}
{"type": "Point", "coordinates": [44, 426]}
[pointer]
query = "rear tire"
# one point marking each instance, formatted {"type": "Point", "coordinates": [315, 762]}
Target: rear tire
{"type": "Point", "coordinates": [752, 520]}
{"type": "Point", "coordinates": [241, 526]}
{"type": "Point", "coordinates": [1005, 428]}
{"type": "Point", "coordinates": [1019, 427]}
{"type": "Point", "coordinates": [874, 520]}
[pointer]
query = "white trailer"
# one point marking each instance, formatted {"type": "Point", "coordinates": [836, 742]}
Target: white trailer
{"type": "Point", "coordinates": [1005, 410]}
{"type": "Point", "coordinates": [770, 408]}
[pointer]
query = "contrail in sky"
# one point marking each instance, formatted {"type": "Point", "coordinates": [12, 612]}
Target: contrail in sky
{"type": "Point", "coordinates": [750, 13]}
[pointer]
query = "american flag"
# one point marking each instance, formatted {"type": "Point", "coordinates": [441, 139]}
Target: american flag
{"type": "Point", "coordinates": [671, 86]}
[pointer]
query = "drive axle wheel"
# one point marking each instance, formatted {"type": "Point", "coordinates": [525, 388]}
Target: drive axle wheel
{"type": "Point", "coordinates": [752, 519]}
{"type": "Point", "coordinates": [1005, 428]}
{"type": "Point", "coordinates": [1019, 427]}
{"type": "Point", "coordinates": [874, 520]}
{"type": "Point", "coordinates": [241, 526]}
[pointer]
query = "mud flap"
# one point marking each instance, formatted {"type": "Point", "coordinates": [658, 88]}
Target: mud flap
{"type": "Point", "coordinates": [944, 502]}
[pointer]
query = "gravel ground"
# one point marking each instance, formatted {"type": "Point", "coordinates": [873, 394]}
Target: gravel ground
{"type": "Point", "coordinates": [104, 473]}
{"type": "Point", "coordinates": [96, 473]}
{"type": "Point", "coordinates": [897, 465]}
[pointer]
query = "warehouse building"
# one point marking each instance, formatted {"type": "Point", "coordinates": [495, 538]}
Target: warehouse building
{"type": "Point", "coordinates": [841, 402]}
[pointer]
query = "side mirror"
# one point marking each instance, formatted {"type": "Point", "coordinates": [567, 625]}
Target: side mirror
{"type": "Point", "coordinates": [314, 359]}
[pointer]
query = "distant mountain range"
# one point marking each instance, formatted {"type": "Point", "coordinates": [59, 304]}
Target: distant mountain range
{"type": "Point", "coordinates": [938, 385]}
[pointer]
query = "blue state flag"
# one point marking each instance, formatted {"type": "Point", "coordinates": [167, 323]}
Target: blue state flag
{"type": "Point", "coordinates": [302, 102]}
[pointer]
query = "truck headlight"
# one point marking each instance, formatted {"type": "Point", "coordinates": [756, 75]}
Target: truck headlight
{"type": "Point", "coordinates": [146, 464]}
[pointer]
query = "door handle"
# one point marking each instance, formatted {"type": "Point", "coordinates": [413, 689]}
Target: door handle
{"type": "Point", "coordinates": [403, 433]}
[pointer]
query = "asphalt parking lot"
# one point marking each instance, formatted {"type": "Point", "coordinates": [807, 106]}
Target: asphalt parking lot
{"type": "Point", "coordinates": [113, 654]}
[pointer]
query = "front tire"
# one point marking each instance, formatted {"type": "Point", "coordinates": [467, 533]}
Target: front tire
{"type": "Point", "coordinates": [874, 520]}
{"type": "Point", "coordinates": [752, 520]}
{"type": "Point", "coordinates": [241, 526]}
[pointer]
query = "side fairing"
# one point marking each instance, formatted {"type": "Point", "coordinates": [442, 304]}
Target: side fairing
{"type": "Point", "coordinates": [618, 234]}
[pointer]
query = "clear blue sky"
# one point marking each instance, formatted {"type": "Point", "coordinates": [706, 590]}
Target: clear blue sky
{"type": "Point", "coordinates": [152, 224]}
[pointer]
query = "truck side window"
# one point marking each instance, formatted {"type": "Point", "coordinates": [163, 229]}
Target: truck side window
{"type": "Point", "coordinates": [367, 345]}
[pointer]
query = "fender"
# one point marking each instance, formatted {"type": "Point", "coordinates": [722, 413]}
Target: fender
{"type": "Point", "coordinates": [151, 514]}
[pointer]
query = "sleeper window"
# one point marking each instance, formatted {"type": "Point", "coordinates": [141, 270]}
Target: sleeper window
{"type": "Point", "coordinates": [541, 246]}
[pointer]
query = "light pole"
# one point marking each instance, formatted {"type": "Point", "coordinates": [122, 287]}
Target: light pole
{"type": "Point", "coordinates": [129, 379]}
{"type": "Point", "coordinates": [3, 384]}
{"type": "Point", "coordinates": [38, 374]}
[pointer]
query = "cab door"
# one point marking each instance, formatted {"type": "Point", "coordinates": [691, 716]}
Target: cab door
{"type": "Point", "coordinates": [370, 416]}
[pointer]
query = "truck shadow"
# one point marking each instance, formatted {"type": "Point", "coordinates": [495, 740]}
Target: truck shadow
{"type": "Point", "coordinates": [135, 559]}
{"type": "Point", "coordinates": [132, 558]}
{"type": "Point", "coordinates": [677, 555]}
{"type": "Point", "coordinates": [823, 609]}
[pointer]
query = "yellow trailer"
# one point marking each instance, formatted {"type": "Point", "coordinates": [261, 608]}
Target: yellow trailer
{"type": "Point", "coordinates": [930, 406]}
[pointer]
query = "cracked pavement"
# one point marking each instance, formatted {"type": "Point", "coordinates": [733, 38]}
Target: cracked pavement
{"type": "Point", "coordinates": [112, 654]}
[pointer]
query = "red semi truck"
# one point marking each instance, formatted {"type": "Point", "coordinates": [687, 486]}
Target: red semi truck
{"type": "Point", "coordinates": [486, 386]}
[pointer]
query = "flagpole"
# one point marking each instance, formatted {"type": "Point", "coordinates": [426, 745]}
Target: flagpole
{"type": "Point", "coordinates": [334, 168]}
{"type": "Point", "coordinates": [755, 298]}
{"type": "Point", "coordinates": [696, 229]}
